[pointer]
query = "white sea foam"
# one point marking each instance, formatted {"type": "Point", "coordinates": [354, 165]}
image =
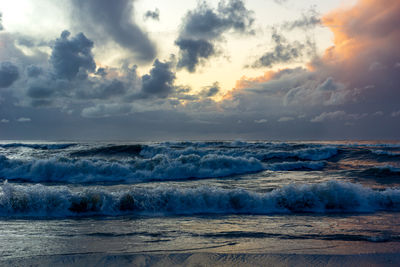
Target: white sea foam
{"type": "Point", "coordinates": [157, 167]}
{"type": "Point", "coordinates": [259, 151]}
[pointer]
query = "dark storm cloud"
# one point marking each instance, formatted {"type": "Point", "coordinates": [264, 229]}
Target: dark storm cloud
{"type": "Point", "coordinates": [39, 92]}
{"type": "Point", "coordinates": [106, 110]}
{"type": "Point", "coordinates": [8, 74]}
{"type": "Point", "coordinates": [152, 14]}
{"type": "Point", "coordinates": [192, 52]}
{"type": "Point", "coordinates": [160, 81]}
{"type": "Point", "coordinates": [69, 80]}
{"type": "Point", "coordinates": [108, 85]}
{"type": "Point", "coordinates": [71, 56]}
{"type": "Point", "coordinates": [283, 51]}
{"type": "Point", "coordinates": [308, 20]}
{"type": "Point", "coordinates": [102, 89]}
{"type": "Point", "coordinates": [113, 88]}
{"type": "Point", "coordinates": [204, 26]}
{"type": "Point", "coordinates": [207, 23]}
{"type": "Point", "coordinates": [33, 71]}
{"type": "Point", "coordinates": [115, 19]}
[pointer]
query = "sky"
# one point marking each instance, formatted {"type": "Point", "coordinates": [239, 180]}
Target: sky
{"type": "Point", "coordinates": [147, 70]}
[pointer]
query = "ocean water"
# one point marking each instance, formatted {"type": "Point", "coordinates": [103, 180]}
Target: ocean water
{"type": "Point", "coordinates": [171, 197]}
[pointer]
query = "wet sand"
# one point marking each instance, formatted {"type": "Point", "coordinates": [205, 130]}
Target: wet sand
{"type": "Point", "coordinates": [207, 259]}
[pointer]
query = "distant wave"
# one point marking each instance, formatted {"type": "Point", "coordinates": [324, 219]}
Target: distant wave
{"type": "Point", "coordinates": [262, 152]}
{"type": "Point", "coordinates": [384, 171]}
{"type": "Point", "coordinates": [386, 153]}
{"type": "Point", "coordinates": [60, 201]}
{"type": "Point", "coordinates": [376, 145]}
{"type": "Point", "coordinates": [315, 153]}
{"type": "Point", "coordinates": [159, 167]}
{"type": "Point", "coordinates": [37, 146]}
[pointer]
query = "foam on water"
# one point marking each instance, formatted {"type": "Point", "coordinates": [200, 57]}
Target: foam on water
{"type": "Point", "coordinates": [330, 197]}
{"type": "Point", "coordinates": [157, 167]}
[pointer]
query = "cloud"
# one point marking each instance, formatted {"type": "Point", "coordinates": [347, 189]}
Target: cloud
{"type": "Point", "coordinates": [1, 22]}
{"type": "Point", "coordinates": [284, 51]}
{"type": "Point", "coordinates": [204, 26]}
{"type": "Point", "coordinates": [24, 119]}
{"type": "Point", "coordinates": [332, 90]}
{"type": "Point", "coordinates": [309, 19]}
{"type": "Point", "coordinates": [210, 91]}
{"type": "Point", "coordinates": [69, 80]}
{"type": "Point", "coordinates": [152, 14]}
{"type": "Point", "coordinates": [365, 44]}
{"type": "Point", "coordinates": [280, 2]}
{"type": "Point", "coordinates": [114, 19]}
{"type": "Point", "coordinates": [106, 110]}
{"type": "Point", "coordinates": [285, 119]}
{"type": "Point", "coordinates": [8, 74]}
{"type": "Point", "coordinates": [160, 80]}
{"type": "Point", "coordinates": [4, 121]}
{"type": "Point", "coordinates": [39, 92]}
{"type": "Point", "coordinates": [396, 113]}
{"type": "Point", "coordinates": [34, 71]}
{"type": "Point", "coordinates": [341, 79]}
{"type": "Point", "coordinates": [260, 121]}
{"type": "Point", "coordinates": [72, 56]}
{"type": "Point", "coordinates": [328, 85]}
{"type": "Point", "coordinates": [338, 115]}
{"type": "Point", "coordinates": [193, 53]}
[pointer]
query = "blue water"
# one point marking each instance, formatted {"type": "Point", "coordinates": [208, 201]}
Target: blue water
{"type": "Point", "coordinates": [233, 196]}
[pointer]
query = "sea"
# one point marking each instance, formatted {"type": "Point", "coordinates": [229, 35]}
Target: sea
{"type": "Point", "coordinates": [73, 198]}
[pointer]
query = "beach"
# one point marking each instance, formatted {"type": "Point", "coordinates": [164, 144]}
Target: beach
{"type": "Point", "coordinates": [209, 259]}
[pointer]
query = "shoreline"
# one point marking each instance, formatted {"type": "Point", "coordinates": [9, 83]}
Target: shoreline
{"type": "Point", "coordinates": [206, 259]}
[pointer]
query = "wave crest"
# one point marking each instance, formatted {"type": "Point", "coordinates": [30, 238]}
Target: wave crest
{"type": "Point", "coordinates": [159, 167]}
{"type": "Point", "coordinates": [329, 197]}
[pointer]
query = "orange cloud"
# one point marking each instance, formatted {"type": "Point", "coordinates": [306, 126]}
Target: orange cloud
{"type": "Point", "coordinates": [364, 29]}
{"type": "Point", "coordinates": [245, 82]}
{"type": "Point", "coordinates": [366, 40]}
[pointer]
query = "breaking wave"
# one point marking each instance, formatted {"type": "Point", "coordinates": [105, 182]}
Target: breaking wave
{"type": "Point", "coordinates": [262, 152]}
{"type": "Point", "coordinates": [159, 167]}
{"type": "Point", "coordinates": [60, 201]}
{"type": "Point", "coordinates": [120, 150]}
